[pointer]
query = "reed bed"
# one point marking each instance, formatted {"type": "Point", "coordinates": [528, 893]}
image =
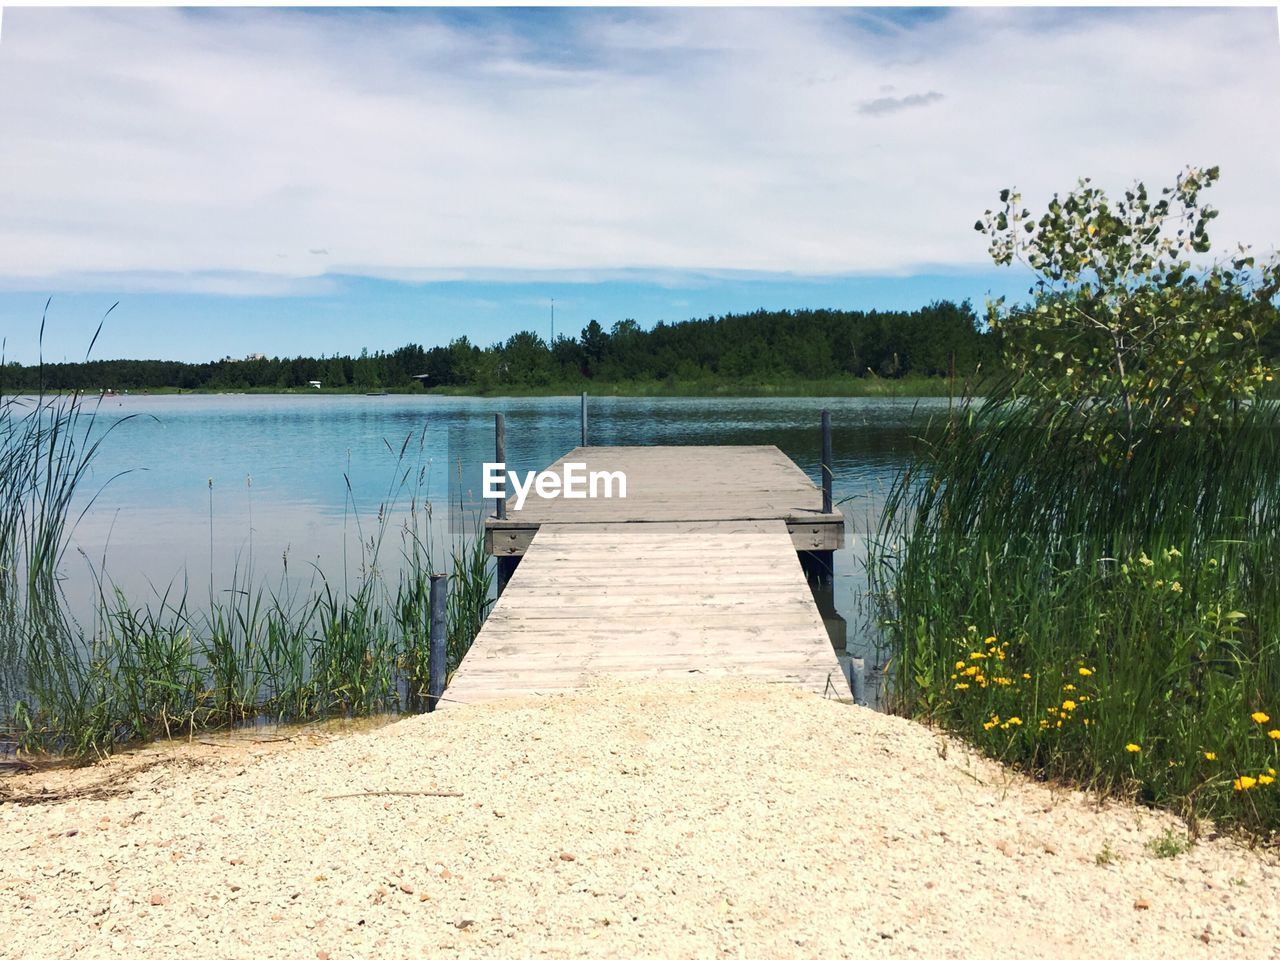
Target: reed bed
{"type": "Point", "coordinates": [302, 648]}
{"type": "Point", "coordinates": [1106, 619]}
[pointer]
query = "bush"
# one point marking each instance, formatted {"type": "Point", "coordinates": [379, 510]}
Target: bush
{"type": "Point", "coordinates": [1074, 573]}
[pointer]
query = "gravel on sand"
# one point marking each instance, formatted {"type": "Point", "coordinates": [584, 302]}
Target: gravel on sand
{"type": "Point", "coordinates": [686, 819]}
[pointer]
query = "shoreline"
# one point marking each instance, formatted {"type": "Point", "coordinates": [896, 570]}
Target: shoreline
{"type": "Point", "coordinates": [853, 387]}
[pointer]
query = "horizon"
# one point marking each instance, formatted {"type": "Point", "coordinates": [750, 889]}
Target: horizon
{"type": "Point", "coordinates": [304, 182]}
{"type": "Point", "coordinates": [46, 320]}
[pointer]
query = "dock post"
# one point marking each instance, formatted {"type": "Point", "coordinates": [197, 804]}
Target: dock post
{"type": "Point", "coordinates": [858, 680]}
{"type": "Point", "coordinates": [506, 565]}
{"type": "Point", "coordinates": [437, 663]}
{"type": "Point", "coordinates": [584, 418]}
{"type": "Point", "coordinates": [500, 455]}
{"type": "Point", "coordinates": [820, 564]}
{"type": "Point", "coordinates": [826, 461]}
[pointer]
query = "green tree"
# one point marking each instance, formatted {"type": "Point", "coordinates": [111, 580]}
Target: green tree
{"type": "Point", "coordinates": [594, 343]}
{"type": "Point", "coordinates": [335, 373]}
{"type": "Point", "coordinates": [525, 360]}
{"type": "Point", "coordinates": [365, 372]}
{"type": "Point", "coordinates": [1128, 308]}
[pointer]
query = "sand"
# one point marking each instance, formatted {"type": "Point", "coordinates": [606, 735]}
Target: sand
{"type": "Point", "coordinates": [711, 819]}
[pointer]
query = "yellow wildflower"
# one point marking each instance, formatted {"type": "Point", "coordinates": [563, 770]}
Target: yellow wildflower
{"type": "Point", "coordinates": [1133, 748]}
{"type": "Point", "coordinates": [1244, 783]}
{"type": "Point", "coordinates": [962, 686]}
{"type": "Point", "coordinates": [1265, 779]}
{"type": "Point", "coordinates": [977, 655]}
{"type": "Point", "coordinates": [1176, 587]}
{"type": "Point", "coordinates": [1086, 672]}
{"type": "Point", "coordinates": [1210, 755]}
{"type": "Point", "coordinates": [1014, 721]}
{"type": "Point", "coordinates": [1068, 687]}
{"type": "Point", "coordinates": [1274, 734]}
{"type": "Point", "coordinates": [1068, 705]}
{"type": "Point", "coordinates": [970, 671]}
{"type": "Point", "coordinates": [990, 640]}
{"type": "Point", "coordinates": [1259, 717]}
{"type": "Point", "coordinates": [959, 664]}
{"type": "Point", "coordinates": [1026, 676]}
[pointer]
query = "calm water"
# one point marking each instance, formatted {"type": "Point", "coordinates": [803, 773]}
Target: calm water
{"type": "Point", "coordinates": [229, 481]}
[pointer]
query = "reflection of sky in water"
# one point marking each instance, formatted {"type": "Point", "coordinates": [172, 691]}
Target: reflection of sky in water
{"type": "Point", "coordinates": [299, 451]}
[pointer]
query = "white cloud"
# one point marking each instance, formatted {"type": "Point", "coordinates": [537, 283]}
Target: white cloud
{"type": "Point", "coordinates": [153, 148]}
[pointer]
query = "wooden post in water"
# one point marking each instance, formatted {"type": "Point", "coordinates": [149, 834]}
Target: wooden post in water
{"type": "Point", "coordinates": [506, 566]}
{"type": "Point", "coordinates": [584, 418]}
{"type": "Point", "coordinates": [437, 663]}
{"type": "Point", "coordinates": [820, 564]}
{"type": "Point", "coordinates": [826, 461]}
{"type": "Point", "coordinates": [500, 455]}
{"type": "Point", "coordinates": [858, 680]}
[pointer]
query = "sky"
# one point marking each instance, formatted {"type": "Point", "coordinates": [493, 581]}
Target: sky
{"type": "Point", "coordinates": [290, 181]}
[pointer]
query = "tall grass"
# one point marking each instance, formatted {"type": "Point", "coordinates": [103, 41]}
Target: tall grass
{"type": "Point", "coordinates": [296, 650]}
{"type": "Point", "coordinates": [46, 446]}
{"type": "Point", "coordinates": [1105, 619]}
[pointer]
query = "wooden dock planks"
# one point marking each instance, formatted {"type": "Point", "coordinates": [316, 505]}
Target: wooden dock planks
{"type": "Point", "coordinates": [671, 484]}
{"type": "Point", "coordinates": [647, 599]}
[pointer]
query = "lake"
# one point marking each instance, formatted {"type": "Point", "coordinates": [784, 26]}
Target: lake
{"type": "Point", "coordinates": [202, 489]}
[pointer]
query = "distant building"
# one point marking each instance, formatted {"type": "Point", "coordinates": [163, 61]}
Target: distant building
{"type": "Point", "coordinates": [256, 356]}
{"type": "Point", "coordinates": [314, 383]}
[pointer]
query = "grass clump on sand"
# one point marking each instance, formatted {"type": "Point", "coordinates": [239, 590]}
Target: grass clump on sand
{"type": "Point", "coordinates": [1168, 845]}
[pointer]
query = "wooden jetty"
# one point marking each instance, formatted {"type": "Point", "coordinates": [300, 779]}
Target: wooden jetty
{"type": "Point", "coordinates": [681, 484]}
{"type": "Point", "coordinates": [696, 572]}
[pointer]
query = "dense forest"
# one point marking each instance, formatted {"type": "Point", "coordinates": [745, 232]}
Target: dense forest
{"type": "Point", "coordinates": [763, 347]}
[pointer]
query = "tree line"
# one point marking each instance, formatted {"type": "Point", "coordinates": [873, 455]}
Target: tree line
{"type": "Point", "coordinates": [942, 339]}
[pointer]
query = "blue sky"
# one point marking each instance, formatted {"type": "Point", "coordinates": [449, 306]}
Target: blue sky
{"type": "Point", "coordinates": [290, 181]}
{"type": "Point", "coordinates": [357, 312]}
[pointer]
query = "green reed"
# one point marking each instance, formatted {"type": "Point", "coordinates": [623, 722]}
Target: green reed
{"type": "Point", "coordinates": [1100, 615]}
{"type": "Point", "coordinates": [294, 651]}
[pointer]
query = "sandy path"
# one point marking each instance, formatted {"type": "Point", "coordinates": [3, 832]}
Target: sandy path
{"type": "Point", "coordinates": [721, 819]}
